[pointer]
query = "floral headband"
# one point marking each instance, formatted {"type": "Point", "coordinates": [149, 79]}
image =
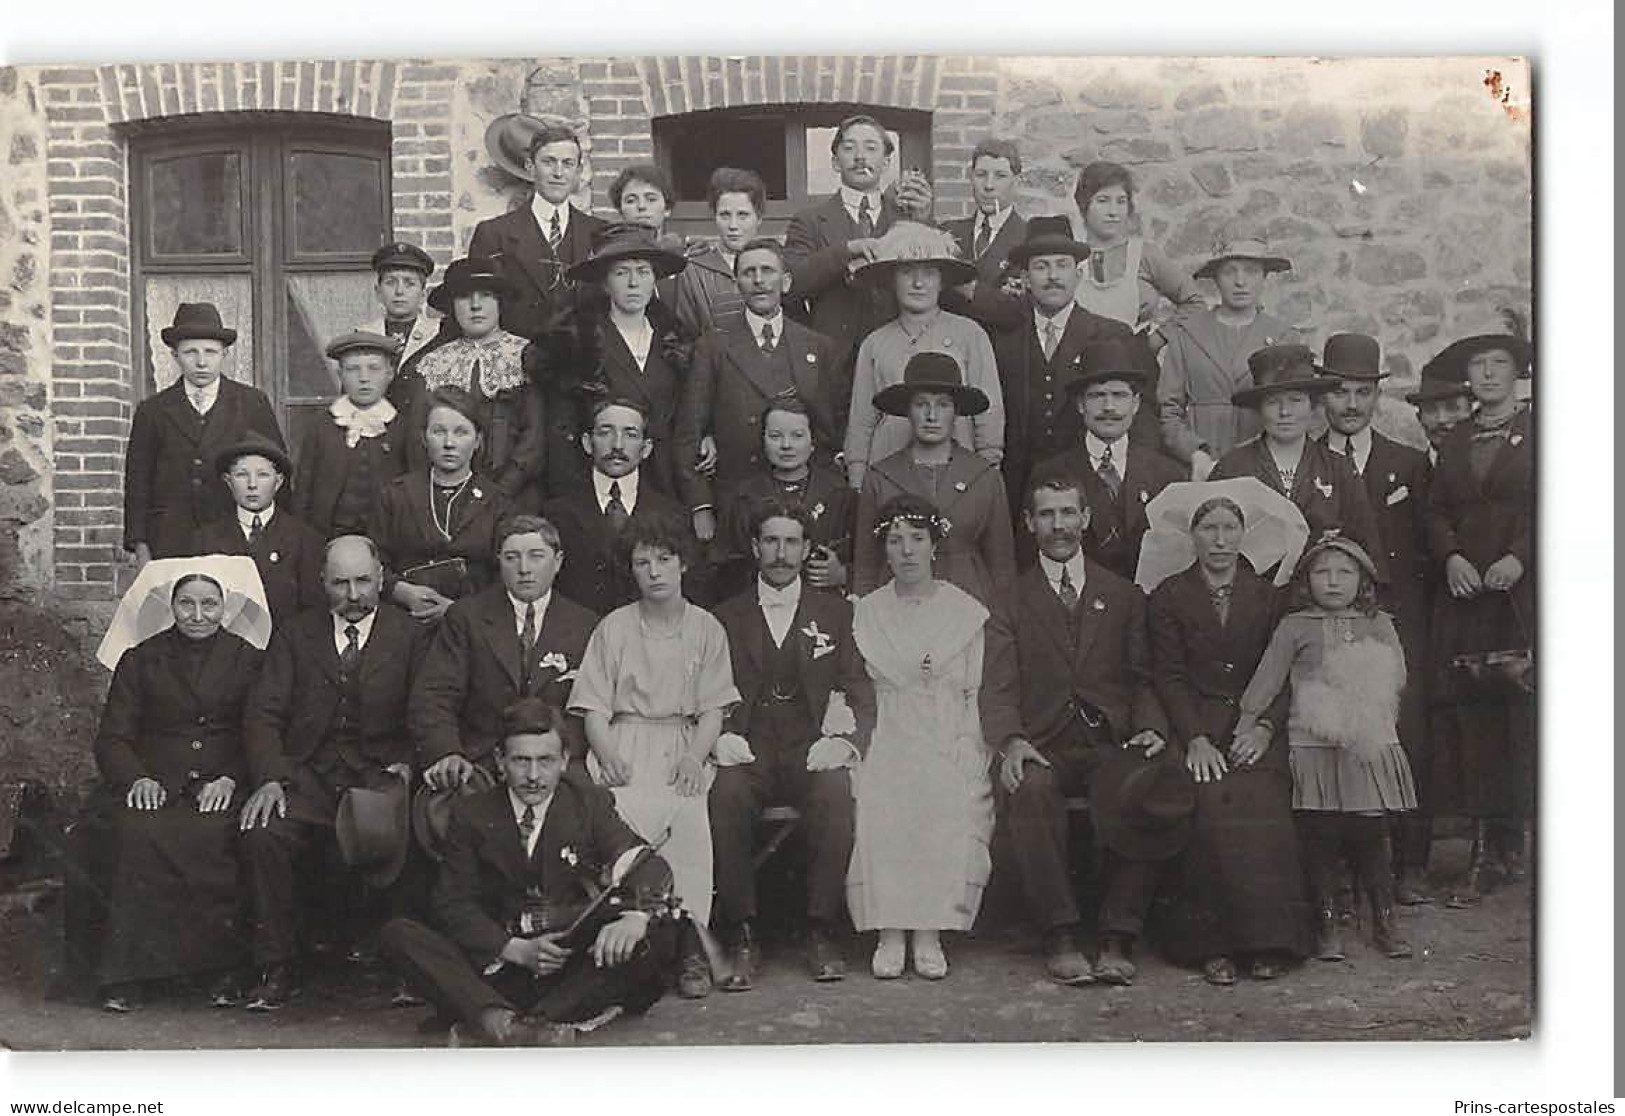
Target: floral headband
{"type": "Point", "coordinates": [936, 523]}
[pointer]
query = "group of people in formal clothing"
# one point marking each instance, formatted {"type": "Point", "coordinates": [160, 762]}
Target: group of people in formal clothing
{"type": "Point", "coordinates": [642, 536]}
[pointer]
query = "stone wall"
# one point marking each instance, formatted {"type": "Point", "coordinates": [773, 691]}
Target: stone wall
{"type": "Point", "coordinates": [25, 344]}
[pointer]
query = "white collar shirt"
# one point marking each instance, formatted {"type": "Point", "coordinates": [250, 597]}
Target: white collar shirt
{"type": "Point", "coordinates": [1041, 323]}
{"type": "Point", "coordinates": [757, 323]}
{"type": "Point", "coordinates": [853, 200]}
{"type": "Point", "coordinates": [1096, 449]}
{"type": "Point", "coordinates": [1073, 567]}
{"type": "Point", "coordinates": [519, 607]}
{"type": "Point", "coordinates": [639, 338]}
{"type": "Point", "coordinates": [543, 210]}
{"type": "Point", "coordinates": [245, 519]}
{"type": "Point", "coordinates": [778, 607]}
{"type": "Point", "coordinates": [363, 629]}
{"type": "Point", "coordinates": [629, 490]}
{"type": "Point", "coordinates": [539, 815]}
{"type": "Point", "coordinates": [993, 223]}
{"type": "Point", "coordinates": [203, 400]}
{"type": "Point", "coordinates": [1359, 443]}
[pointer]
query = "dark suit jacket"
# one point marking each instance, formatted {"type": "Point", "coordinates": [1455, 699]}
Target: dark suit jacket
{"type": "Point", "coordinates": [1325, 488]}
{"type": "Point", "coordinates": [1117, 526]}
{"type": "Point", "coordinates": [324, 465]}
{"type": "Point", "coordinates": [407, 535]}
{"type": "Point", "coordinates": [840, 667]}
{"type": "Point", "coordinates": [483, 882]}
{"type": "Point", "coordinates": [516, 242]}
{"type": "Point", "coordinates": [726, 392]}
{"type": "Point", "coordinates": [171, 486]}
{"type": "Point", "coordinates": [832, 506]}
{"type": "Point", "coordinates": [165, 722]}
{"type": "Point", "coordinates": [815, 248]}
{"type": "Point", "coordinates": [1049, 674]}
{"type": "Point", "coordinates": [1397, 482]}
{"type": "Point", "coordinates": [472, 672]}
{"type": "Point", "coordinates": [1201, 666]}
{"type": "Point", "coordinates": [990, 264]}
{"type": "Point", "coordinates": [291, 710]}
{"type": "Point", "coordinates": [1028, 379]}
{"type": "Point", "coordinates": [289, 559]}
{"type": "Point", "coordinates": [592, 574]}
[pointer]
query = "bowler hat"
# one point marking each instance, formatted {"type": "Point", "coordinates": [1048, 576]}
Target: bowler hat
{"type": "Point", "coordinates": [1453, 359]}
{"type": "Point", "coordinates": [625, 240]}
{"type": "Point", "coordinates": [908, 243]}
{"type": "Point", "coordinates": [362, 341]}
{"type": "Point", "coordinates": [372, 831]}
{"type": "Point", "coordinates": [1437, 383]}
{"type": "Point", "coordinates": [464, 276]}
{"type": "Point", "coordinates": [508, 138]}
{"type": "Point", "coordinates": [1335, 540]}
{"type": "Point", "coordinates": [197, 321]}
{"type": "Point", "coordinates": [401, 256]}
{"type": "Point", "coordinates": [431, 811]}
{"type": "Point", "coordinates": [1047, 236]}
{"type": "Point", "coordinates": [1281, 368]}
{"type": "Point", "coordinates": [1250, 247]}
{"type": "Point", "coordinates": [1352, 356]}
{"type": "Point", "coordinates": [1109, 359]}
{"type": "Point", "coordinates": [1142, 805]}
{"type": "Point", "coordinates": [936, 372]}
{"type": "Point", "coordinates": [258, 445]}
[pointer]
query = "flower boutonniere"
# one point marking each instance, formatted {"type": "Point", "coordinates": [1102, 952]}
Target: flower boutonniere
{"type": "Point", "coordinates": [822, 644]}
{"type": "Point", "coordinates": [817, 509]}
{"type": "Point", "coordinates": [959, 486]}
{"type": "Point", "coordinates": [1145, 497]}
{"type": "Point", "coordinates": [1098, 605]}
{"type": "Point", "coordinates": [1323, 488]}
{"type": "Point", "coordinates": [478, 495]}
{"type": "Point", "coordinates": [554, 659]}
{"type": "Point", "coordinates": [1516, 439]}
{"type": "Point", "coordinates": [569, 856]}
{"type": "Point", "coordinates": [274, 556]}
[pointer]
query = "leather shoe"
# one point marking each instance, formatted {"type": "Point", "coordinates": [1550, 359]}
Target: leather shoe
{"type": "Point", "coordinates": [1264, 969]}
{"type": "Point", "coordinates": [1114, 967]}
{"type": "Point", "coordinates": [744, 961]}
{"type": "Point", "coordinates": [226, 991]}
{"type": "Point", "coordinates": [694, 977]}
{"type": "Point", "coordinates": [824, 959]}
{"type": "Point", "coordinates": [1220, 971]}
{"type": "Point", "coordinates": [274, 989]}
{"type": "Point", "coordinates": [1411, 890]}
{"type": "Point", "coordinates": [1065, 962]}
{"type": "Point", "coordinates": [121, 999]}
{"type": "Point", "coordinates": [539, 1032]}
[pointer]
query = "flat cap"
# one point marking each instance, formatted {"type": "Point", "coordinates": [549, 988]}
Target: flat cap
{"type": "Point", "coordinates": [360, 340]}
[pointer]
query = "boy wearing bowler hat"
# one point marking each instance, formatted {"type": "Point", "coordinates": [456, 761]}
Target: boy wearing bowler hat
{"type": "Point", "coordinates": [1397, 479]}
{"type": "Point", "coordinates": [1121, 474]}
{"type": "Point", "coordinates": [286, 551]}
{"type": "Point", "coordinates": [171, 483]}
{"type": "Point", "coordinates": [346, 461]}
{"type": "Point", "coordinates": [403, 272]}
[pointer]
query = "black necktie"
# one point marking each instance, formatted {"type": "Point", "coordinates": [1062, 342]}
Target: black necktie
{"type": "Point", "coordinates": [768, 342]}
{"type": "Point", "coordinates": [1109, 474]}
{"type": "Point", "coordinates": [615, 509]}
{"type": "Point", "coordinates": [1348, 452]}
{"type": "Point", "coordinates": [527, 826]}
{"type": "Point", "coordinates": [256, 531]}
{"type": "Point", "coordinates": [352, 648]}
{"type": "Point", "coordinates": [527, 644]}
{"type": "Point", "coordinates": [866, 218]}
{"type": "Point", "coordinates": [983, 237]}
{"type": "Point", "coordinates": [555, 232]}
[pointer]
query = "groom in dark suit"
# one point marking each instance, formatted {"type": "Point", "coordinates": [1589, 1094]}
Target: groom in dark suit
{"type": "Point", "coordinates": [991, 233]}
{"type": "Point", "coordinates": [538, 242]}
{"type": "Point", "coordinates": [791, 648]}
{"type": "Point", "coordinates": [523, 860]}
{"type": "Point", "coordinates": [508, 641]}
{"type": "Point", "coordinates": [1068, 683]}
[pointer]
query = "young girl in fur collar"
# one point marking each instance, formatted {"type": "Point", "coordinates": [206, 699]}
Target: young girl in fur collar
{"type": "Point", "coordinates": [1343, 661]}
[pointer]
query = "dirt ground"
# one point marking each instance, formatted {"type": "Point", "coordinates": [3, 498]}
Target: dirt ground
{"type": "Point", "coordinates": [1472, 978]}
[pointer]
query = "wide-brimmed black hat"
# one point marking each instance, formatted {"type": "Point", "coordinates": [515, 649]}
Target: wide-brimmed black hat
{"type": "Point", "coordinates": [257, 444]}
{"type": "Point", "coordinates": [1437, 384]}
{"type": "Point", "coordinates": [363, 341]}
{"type": "Point", "coordinates": [625, 240]}
{"type": "Point", "coordinates": [401, 256]}
{"type": "Point", "coordinates": [1352, 356]}
{"type": "Point", "coordinates": [1452, 361]}
{"type": "Point", "coordinates": [197, 321]}
{"type": "Point", "coordinates": [1246, 247]}
{"type": "Point", "coordinates": [373, 829]}
{"type": "Point", "coordinates": [1046, 236]}
{"type": "Point", "coordinates": [1110, 359]}
{"type": "Point", "coordinates": [1142, 807]}
{"type": "Point", "coordinates": [911, 243]}
{"type": "Point", "coordinates": [473, 273]}
{"type": "Point", "coordinates": [936, 372]}
{"type": "Point", "coordinates": [431, 811]}
{"type": "Point", "coordinates": [1281, 368]}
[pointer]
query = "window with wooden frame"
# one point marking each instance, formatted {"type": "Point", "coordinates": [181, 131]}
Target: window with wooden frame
{"type": "Point", "coordinates": [273, 217]}
{"type": "Point", "coordinates": [788, 145]}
